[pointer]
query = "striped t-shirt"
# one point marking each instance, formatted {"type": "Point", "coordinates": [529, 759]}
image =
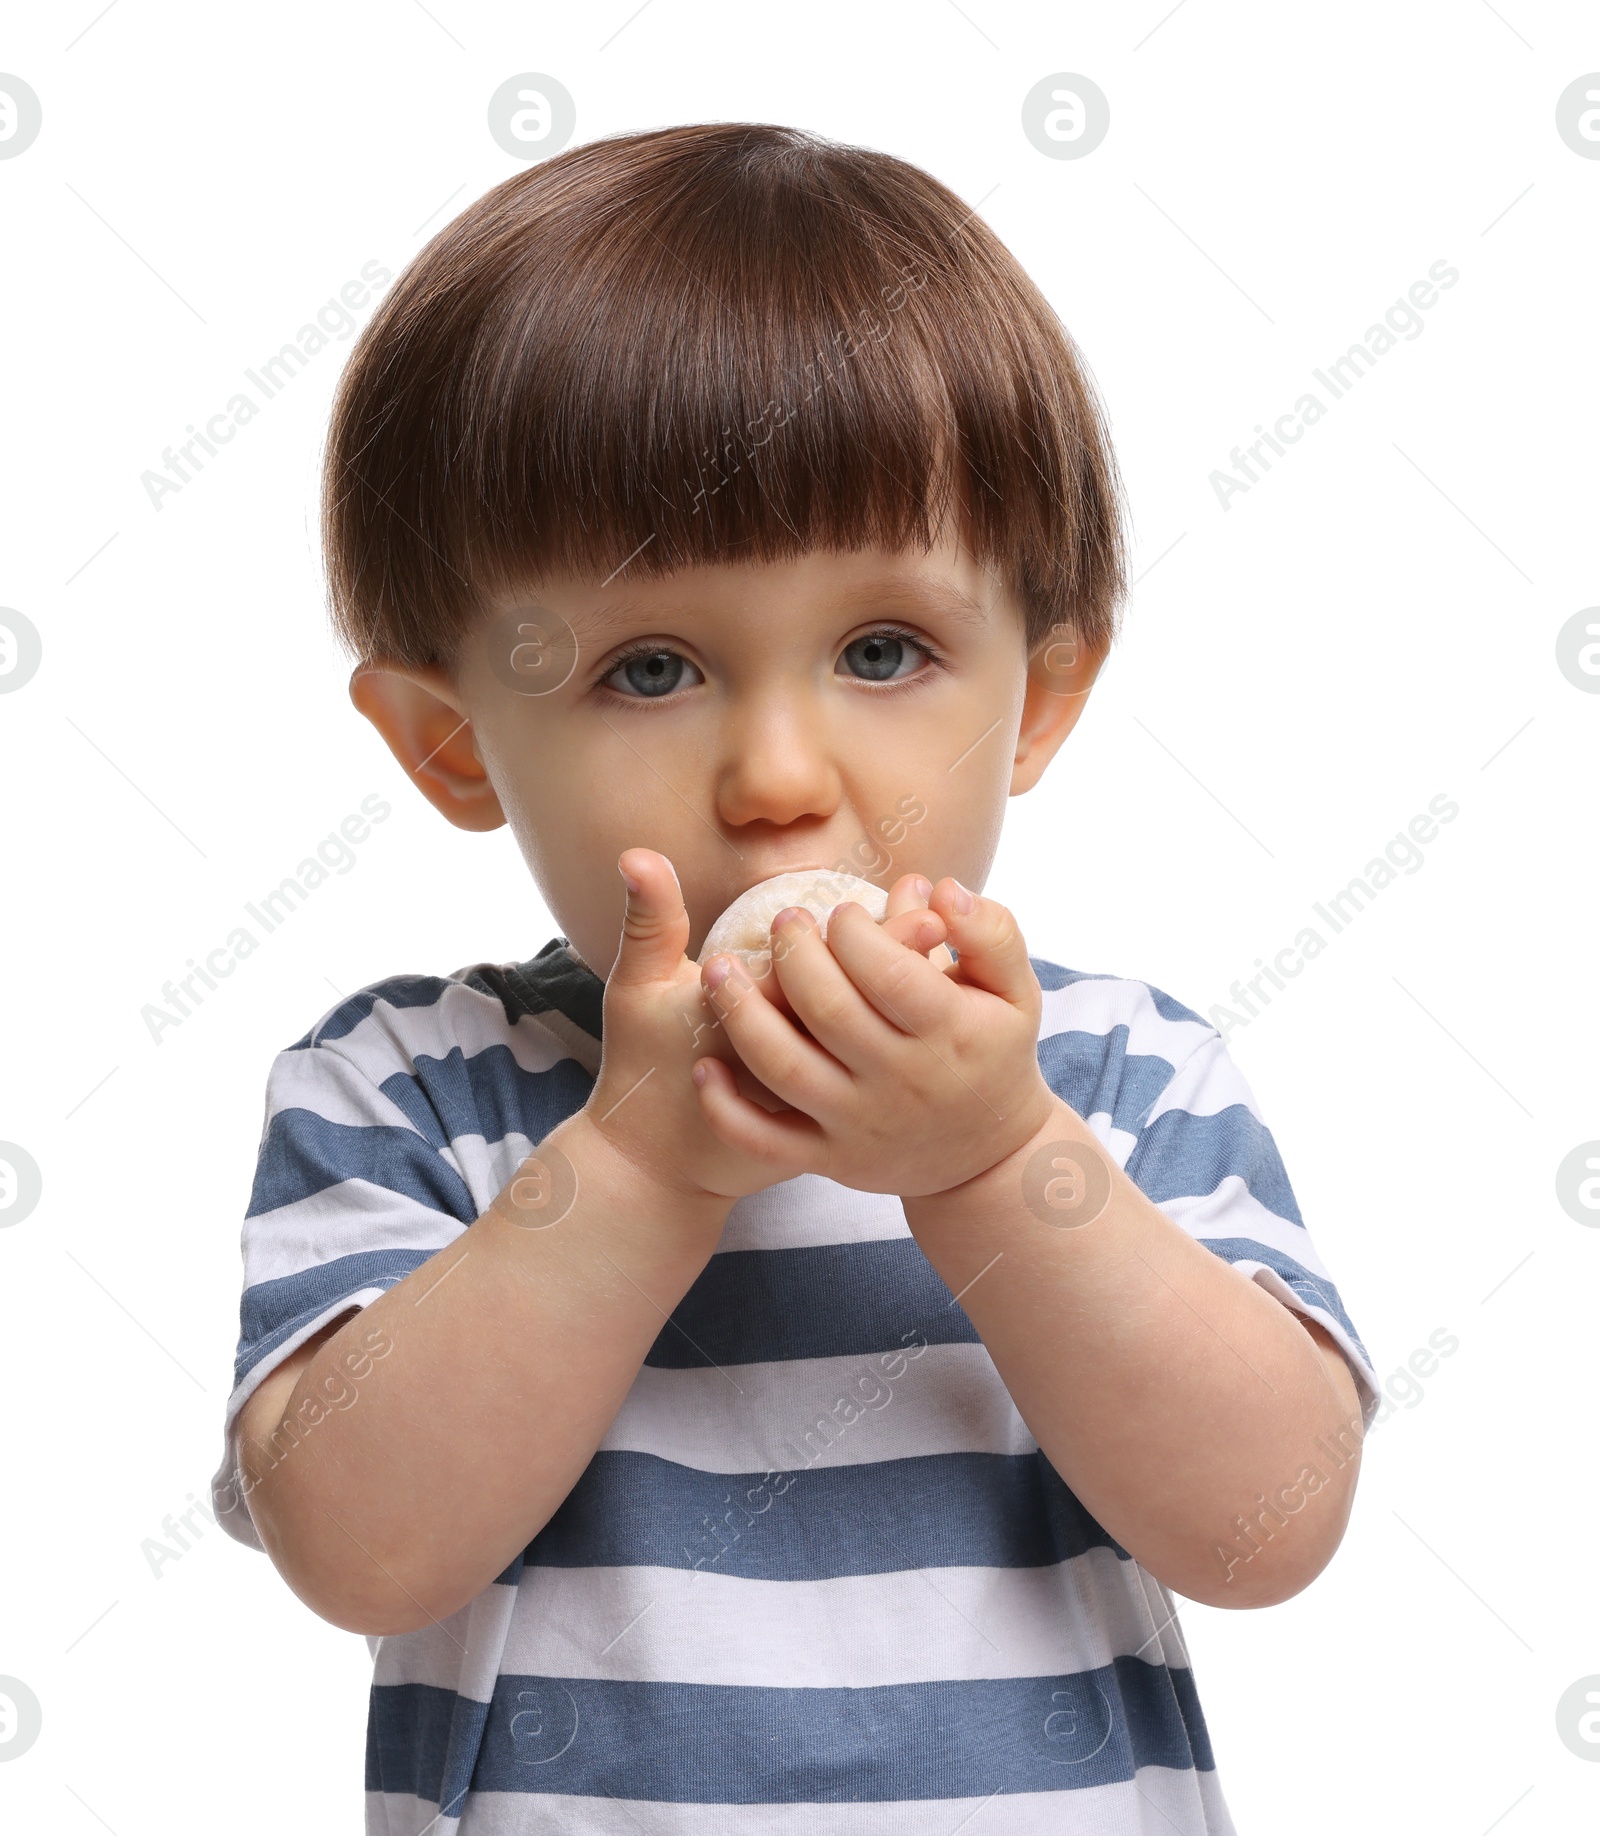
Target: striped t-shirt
{"type": "Point", "coordinates": [818, 1576]}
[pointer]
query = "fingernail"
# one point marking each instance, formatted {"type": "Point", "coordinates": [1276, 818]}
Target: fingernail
{"type": "Point", "coordinates": [963, 901]}
{"type": "Point", "coordinates": [789, 914]}
{"type": "Point", "coordinates": [628, 880]}
{"type": "Point", "coordinates": [717, 971]}
{"type": "Point", "coordinates": [923, 887]}
{"type": "Point", "coordinates": [699, 1074]}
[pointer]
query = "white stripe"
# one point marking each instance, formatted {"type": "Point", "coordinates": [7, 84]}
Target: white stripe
{"type": "Point", "coordinates": [852, 1632]}
{"type": "Point", "coordinates": [355, 1216]}
{"type": "Point", "coordinates": [389, 1039]}
{"type": "Point", "coordinates": [461, 1653]}
{"type": "Point", "coordinates": [461, 1017]}
{"type": "Point", "coordinates": [1096, 1006]}
{"type": "Point", "coordinates": [1157, 1802]}
{"type": "Point", "coordinates": [433, 1656]}
{"type": "Point", "coordinates": [349, 1219]}
{"type": "Point", "coordinates": [654, 1624]}
{"type": "Point", "coordinates": [322, 1080]}
{"type": "Point", "coordinates": [809, 1211]}
{"type": "Point", "coordinates": [1233, 1210]}
{"type": "Point", "coordinates": [1205, 1084]}
{"type": "Point", "coordinates": [806, 1212]}
{"type": "Point", "coordinates": [1117, 1142]}
{"type": "Point", "coordinates": [485, 1167]}
{"type": "Point", "coordinates": [486, 1621]}
{"type": "Point", "coordinates": [398, 1813]}
{"type": "Point", "coordinates": [755, 1417]}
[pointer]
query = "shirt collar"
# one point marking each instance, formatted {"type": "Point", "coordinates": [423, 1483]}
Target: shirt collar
{"type": "Point", "coordinates": [558, 980]}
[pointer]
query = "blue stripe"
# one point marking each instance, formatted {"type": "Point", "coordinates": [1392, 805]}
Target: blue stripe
{"type": "Point", "coordinates": [932, 1511]}
{"type": "Point", "coordinates": [272, 1311]}
{"type": "Point", "coordinates": [832, 1301]}
{"type": "Point", "coordinates": [1094, 1075]}
{"type": "Point", "coordinates": [396, 991]}
{"type": "Point", "coordinates": [690, 1743]}
{"type": "Point", "coordinates": [488, 1094]}
{"type": "Point", "coordinates": [305, 1153]}
{"type": "Point", "coordinates": [430, 1749]}
{"type": "Point", "coordinates": [1184, 1156]}
{"type": "Point", "coordinates": [1314, 1288]}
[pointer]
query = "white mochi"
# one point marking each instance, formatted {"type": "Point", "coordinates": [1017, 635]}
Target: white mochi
{"type": "Point", "coordinates": [745, 928]}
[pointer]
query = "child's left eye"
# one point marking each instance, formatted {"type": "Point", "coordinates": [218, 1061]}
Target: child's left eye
{"type": "Point", "coordinates": [881, 656]}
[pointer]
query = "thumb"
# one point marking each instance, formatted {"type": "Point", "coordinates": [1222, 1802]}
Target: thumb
{"type": "Point", "coordinates": [655, 926]}
{"type": "Point", "coordinates": [988, 942]}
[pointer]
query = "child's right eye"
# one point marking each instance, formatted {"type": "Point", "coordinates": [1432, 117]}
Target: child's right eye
{"type": "Point", "coordinates": [649, 674]}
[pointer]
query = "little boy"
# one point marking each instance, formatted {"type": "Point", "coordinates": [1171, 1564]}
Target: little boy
{"type": "Point", "coordinates": [782, 1403]}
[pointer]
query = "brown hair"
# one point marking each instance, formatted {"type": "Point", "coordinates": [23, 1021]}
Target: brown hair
{"type": "Point", "coordinates": [699, 344]}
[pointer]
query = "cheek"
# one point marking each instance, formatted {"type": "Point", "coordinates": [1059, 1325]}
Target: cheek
{"type": "Point", "coordinates": [959, 837]}
{"type": "Point", "coordinates": [931, 799]}
{"type": "Point", "coordinates": [565, 813]}
{"type": "Point", "coordinates": [575, 797]}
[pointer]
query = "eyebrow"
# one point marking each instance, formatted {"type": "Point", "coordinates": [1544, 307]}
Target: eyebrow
{"type": "Point", "coordinates": [909, 596]}
{"type": "Point", "coordinates": [932, 595]}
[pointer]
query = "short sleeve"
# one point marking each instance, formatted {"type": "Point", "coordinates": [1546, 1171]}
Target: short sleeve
{"type": "Point", "coordinates": [1203, 1153]}
{"type": "Point", "coordinates": [349, 1196]}
{"type": "Point", "coordinates": [389, 1129]}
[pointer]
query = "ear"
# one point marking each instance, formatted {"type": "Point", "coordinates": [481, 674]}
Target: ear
{"type": "Point", "coordinates": [424, 724]}
{"type": "Point", "coordinates": [1061, 672]}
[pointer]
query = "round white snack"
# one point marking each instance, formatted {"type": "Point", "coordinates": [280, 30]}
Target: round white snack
{"type": "Point", "coordinates": [745, 928]}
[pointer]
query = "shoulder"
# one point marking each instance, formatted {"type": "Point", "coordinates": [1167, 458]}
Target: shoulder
{"type": "Point", "coordinates": [412, 1073]}
{"type": "Point", "coordinates": [408, 1023]}
{"type": "Point", "coordinates": [1078, 1000]}
{"type": "Point", "coordinates": [1110, 1044]}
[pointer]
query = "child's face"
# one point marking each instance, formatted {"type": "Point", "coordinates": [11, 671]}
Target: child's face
{"type": "Point", "coordinates": [865, 710]}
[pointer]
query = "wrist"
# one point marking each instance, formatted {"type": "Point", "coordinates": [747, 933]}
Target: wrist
{"type": "Point", "coordinates": [635, 1188]}
{"type": "Point", "coordinates": [1064, 1194]}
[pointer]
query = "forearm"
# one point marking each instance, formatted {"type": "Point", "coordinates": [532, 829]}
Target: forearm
{"type": "Point", "coordinates": [1170, 1392]}
{"type": "Point", "coordinates": [510, 1353]}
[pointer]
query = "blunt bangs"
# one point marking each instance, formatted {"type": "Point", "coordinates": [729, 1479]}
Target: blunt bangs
{"type": "Point", "coordinates": [706, 344]}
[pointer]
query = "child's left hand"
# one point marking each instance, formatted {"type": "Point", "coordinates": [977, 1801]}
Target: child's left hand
{"type": "Point", "coordinates": [912, 1079]}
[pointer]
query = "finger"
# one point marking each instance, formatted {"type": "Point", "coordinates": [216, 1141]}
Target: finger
{"type": "Point", "coordinates": [768, 985]}
{"type": "Point", "coordinates": [903, 986]}
{"type": "Point", "coordinates": [655, 926]}
{"type": "Point", "coordinates": [702, 1023]}
{"type": "Point", "coordinates": [921, 931]}
{"type": "Point", "coordinates": [757, 1092]}
{"type": "Point", "coordinates": [908, 919]}
{"type": "Point", "coordinates": [771, 1048]}
{"type": "Point", "coordinates": [988, 941]}
{"type": "Point", "coordinates": [826, 1001]}
{"type": "Point", "coordinates": [910, 893]}
{"type": "Point", "coordinates": [790, 1142]}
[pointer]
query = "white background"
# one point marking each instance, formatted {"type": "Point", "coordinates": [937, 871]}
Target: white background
{"type": "Point", "coordinates": [1374, 623]}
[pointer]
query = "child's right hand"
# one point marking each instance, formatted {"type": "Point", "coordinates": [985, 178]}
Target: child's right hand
{"type": "Point", "coordinates": [658, 1023]}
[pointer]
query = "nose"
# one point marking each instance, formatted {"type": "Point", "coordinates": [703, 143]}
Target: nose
{"type": "Point", "coordinates": [776, 767]}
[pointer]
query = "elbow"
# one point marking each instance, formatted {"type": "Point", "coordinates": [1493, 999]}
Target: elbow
{"type": "Point", "coordinates": [1275, 1550]}
{"type": "Point", "coordinates": [354, 1611]}
{"type": "Point", "coordinates": [376, 1592]}
{"type": "Point", "coordinates": [374, 1604]}
{"type": "Point", "coordinates": [1262, 1588]}
{"type": "Point", "coordinates": [1260, 1570]}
